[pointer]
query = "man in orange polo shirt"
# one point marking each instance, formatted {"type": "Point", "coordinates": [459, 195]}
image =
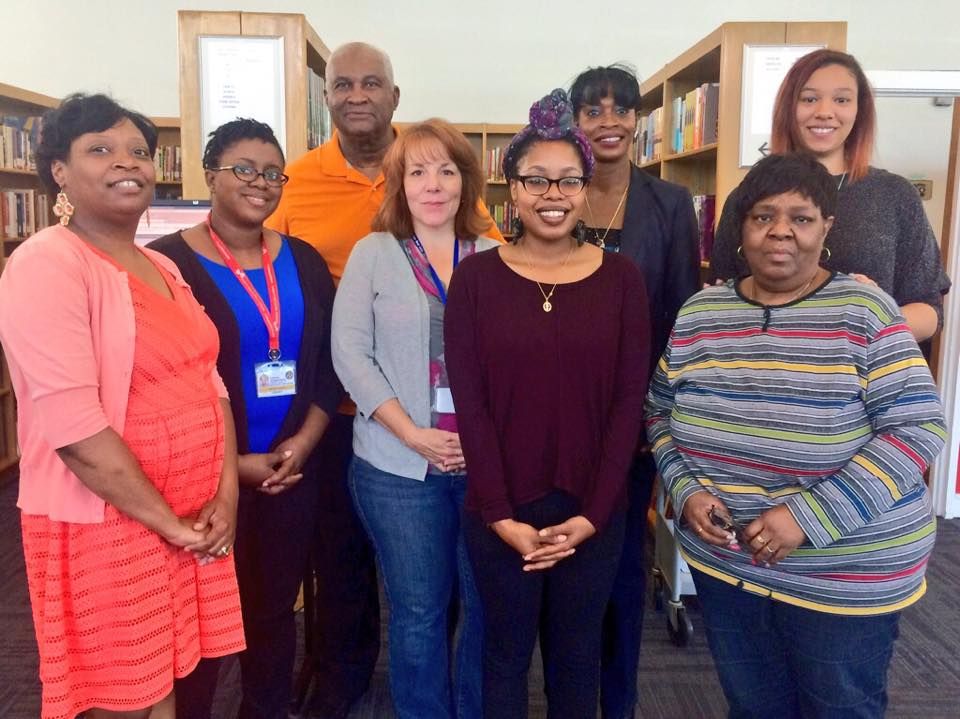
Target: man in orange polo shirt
{"type": "Point", "coordinates": [333, 193]}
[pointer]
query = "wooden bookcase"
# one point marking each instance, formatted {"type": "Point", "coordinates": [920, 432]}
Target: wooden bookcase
{"type": "Point", "coordinates": [485, 137]}
{"type": "Point", "coordinates": [303, 50]}
{"type": "Point", "coordinates": [714, 169]}
{"type": "Point", "coordinates": [15, 102]}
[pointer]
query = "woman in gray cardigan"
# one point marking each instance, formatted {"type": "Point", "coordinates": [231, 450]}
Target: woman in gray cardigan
{"type": "Point", "coordinates": [408, 476]}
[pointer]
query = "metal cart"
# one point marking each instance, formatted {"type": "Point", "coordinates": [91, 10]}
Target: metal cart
{"type": "Point", "coordinates": [671, 576]}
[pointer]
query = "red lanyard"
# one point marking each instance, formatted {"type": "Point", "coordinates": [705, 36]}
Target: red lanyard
{"type": "Point", "coordinates": [271, 317]}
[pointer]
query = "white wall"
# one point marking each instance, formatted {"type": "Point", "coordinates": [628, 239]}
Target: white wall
{"type": "Point", "coordinates": [481, 61]}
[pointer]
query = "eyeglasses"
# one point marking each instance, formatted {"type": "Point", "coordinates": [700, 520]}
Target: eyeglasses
{"type": "Point", "coordinates": [538, 185]}
{"type": "Point", "coordinates": [272, 176]}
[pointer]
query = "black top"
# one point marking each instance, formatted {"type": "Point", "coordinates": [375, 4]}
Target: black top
{"type": "Point", "coordinates": [547, 400]}
{"type": "Point", "coordinates": [660, 235]}
{"type": "Point", "coordinates": [316, 381]}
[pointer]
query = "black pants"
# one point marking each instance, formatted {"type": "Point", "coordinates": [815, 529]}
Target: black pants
{"type": "Point", "coordinates": [346, 621]}
{"type": "Point", "coordinates": [565, 603]}
{"type": "Point", "coordinates": [623, 621]}
{"type": "Point", "coordinates": [271, 553]}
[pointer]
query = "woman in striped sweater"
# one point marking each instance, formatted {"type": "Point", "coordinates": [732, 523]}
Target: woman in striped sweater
{"type": "Point", "coordinates": [792, 417]}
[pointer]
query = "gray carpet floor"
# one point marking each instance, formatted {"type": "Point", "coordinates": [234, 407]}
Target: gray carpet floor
{"type": "Point", "coordinates": [674, 683]}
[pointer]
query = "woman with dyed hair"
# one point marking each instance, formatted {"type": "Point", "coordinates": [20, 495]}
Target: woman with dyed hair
{"type": "Point", "coordinates": [408, 476]}
{"type": "Point", "coordinates": [548, 343]}
{"type": "Point", "coordinates": [881, 234]}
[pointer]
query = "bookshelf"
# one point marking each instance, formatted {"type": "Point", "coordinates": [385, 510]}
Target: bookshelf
{"type": "Point", "coordinates": [713, 168]}
{"type": "Point", "coordinates": [489, 141]}
{"type": "Point", "coordinates": [304, 61]}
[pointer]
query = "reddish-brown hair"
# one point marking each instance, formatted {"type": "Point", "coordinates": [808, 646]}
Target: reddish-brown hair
{"type": "Point", "coordinates": [784, 136]}
{"type": "Point", "coordinates": [422, 139]}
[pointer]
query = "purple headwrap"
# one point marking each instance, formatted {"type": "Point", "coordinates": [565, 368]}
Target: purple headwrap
{"type": "Point", "coordinates": [551, 118]}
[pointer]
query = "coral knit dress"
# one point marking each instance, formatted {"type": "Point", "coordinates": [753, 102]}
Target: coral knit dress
{"type": "Point", "coordinates": [118, 611]}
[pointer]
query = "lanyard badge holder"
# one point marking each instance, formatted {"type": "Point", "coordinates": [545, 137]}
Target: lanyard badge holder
{"type": "Point", "coordinates": [274, 378]}
{"type": "Point", "coordinates": [442, 397]}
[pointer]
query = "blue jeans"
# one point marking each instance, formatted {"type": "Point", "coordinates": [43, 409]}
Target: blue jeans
{"type": "Point", "coordinates": [415, 529]}
{"type": "Point", "coordinates": [780, 661]}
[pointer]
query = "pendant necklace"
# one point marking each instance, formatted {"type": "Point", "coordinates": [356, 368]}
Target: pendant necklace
{"type": "Point", "coordinates": [842, 178]}
{"type": "Point", "coordinates": [602, 241]}
{"type": "Point", "coordinates": [547, 306]}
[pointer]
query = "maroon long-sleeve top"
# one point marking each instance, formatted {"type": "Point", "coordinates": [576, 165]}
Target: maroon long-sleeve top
{"type": "Point", "coordinates": [547, 400]}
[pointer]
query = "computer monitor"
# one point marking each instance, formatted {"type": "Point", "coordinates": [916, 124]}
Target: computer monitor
{"type": "Point", "coordinates": [164, 217]}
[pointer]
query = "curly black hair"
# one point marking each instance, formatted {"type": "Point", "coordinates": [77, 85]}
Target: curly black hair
{"type": "Point", "coordinates": [77, 115]}
{"type": "Point", "coordinates": [233, 132]}
{"type": "Point", "coordinates": [790, 172]}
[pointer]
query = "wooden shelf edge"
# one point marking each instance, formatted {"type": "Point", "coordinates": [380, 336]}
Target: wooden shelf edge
{"type": "Point", "coordinates": [169, 182]}
{"type": "Point", "coordinates": [702, 150]}
{"type": "Point", "coordinates": [166, 123]}
{"type": "Point", "coordinates": [650, 163]}
{"type": "Point", "coordinates": [8, 462]}
{"type": "Point", "coordinates": [496, 182]}
{"type": "Point", "coordinates": [27, 96]}
{"type": "Point", "coordinates": [16, 171]}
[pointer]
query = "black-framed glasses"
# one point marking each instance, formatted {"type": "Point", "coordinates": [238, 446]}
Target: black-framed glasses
{"type": "Point", "coordinates": [272, 176]}
{"type": "Point", "coordinates": [539, 185]}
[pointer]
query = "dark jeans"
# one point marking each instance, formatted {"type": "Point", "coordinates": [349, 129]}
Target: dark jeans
{"type": "Point", "coordinates": [779, 661]}
{"type": "Point", "coordinates": [623, 620]}
{"type": "Point", "coordinates": [271, 550]}
{"type": "Point", "coordinates": [565, 603]}
{"type": "Point", "coordinates": [346, 622]}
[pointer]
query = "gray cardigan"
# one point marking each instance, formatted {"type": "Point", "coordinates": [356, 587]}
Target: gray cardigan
{"type": "Point", "coordinates": [381, 348]}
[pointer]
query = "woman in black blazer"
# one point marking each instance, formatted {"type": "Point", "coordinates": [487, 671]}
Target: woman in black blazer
{"type": "Point", "coordinates": [653, 222]}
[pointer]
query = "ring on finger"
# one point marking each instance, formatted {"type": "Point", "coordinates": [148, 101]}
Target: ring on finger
{"type": "Point", "coordinates": [760, 539]}
{"type": "Point", "coordinates": [769, 550]}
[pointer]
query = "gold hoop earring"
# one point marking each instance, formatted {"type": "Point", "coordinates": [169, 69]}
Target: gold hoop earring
{"type": "Point", "coordinates": [740, 251]}
{"type": "Point", "coordinates": [829, 254]}
{"type": "Point", "coordinates": [63, 209]}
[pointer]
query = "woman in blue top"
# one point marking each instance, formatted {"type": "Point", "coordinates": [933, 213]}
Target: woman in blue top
{"type": "Point", "coordinates": [270, 297]}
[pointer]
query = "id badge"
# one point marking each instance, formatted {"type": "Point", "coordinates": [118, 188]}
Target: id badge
{"type": "Point", "coordinates": [276, 379]}
{"type": "Point", "coordinates": [443, 400]}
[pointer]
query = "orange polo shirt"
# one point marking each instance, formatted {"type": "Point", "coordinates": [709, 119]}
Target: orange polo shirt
{"type": "Point", "coordinates": [330, 204]}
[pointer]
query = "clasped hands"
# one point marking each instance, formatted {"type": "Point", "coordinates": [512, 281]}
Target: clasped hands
{"type": "Point", "coordinates": [439, 447]}
{"type": "Point", "coordinates": [543, 548]}
{"type": "Point", "coordinates": [210, 535]}
{"type": "Point", "coordinates": [770, 537]}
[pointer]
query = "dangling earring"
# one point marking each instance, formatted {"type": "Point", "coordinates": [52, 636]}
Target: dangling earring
{"type": "Point", "coordinates": [740, 251]}
{"type": "Point", "coordinates": [829, 254]}
{"type": "Point", "coordinates": [580, 232]}
{"type": "Point", "coordinates": [516, 228]}
{"type": "Point", "coordinates": [63, 209]}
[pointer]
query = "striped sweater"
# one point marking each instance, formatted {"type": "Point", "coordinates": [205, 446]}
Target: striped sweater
{"type": "Point", "coordinates": [824, 405]}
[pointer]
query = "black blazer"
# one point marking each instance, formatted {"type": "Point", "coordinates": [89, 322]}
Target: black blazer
{"type": "Point", "coordinates": [660, 235]}
{"type": "Point", "coordinates": [317, 383]}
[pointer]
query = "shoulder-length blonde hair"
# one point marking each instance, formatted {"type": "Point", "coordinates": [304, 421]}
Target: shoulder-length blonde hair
{"type": "Point", "coordinates": [423, 139]}
{"type": "Point", "coordinates": [785, 135]}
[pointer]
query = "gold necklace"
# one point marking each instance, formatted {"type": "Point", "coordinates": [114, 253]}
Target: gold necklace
{"type": "Point", "coordinates": [547, 306]}
{"type": "Point", "coordinates": [603, 240]}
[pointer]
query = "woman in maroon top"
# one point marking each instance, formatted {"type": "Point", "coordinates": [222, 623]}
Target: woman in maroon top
{"type": "Point", "coordinates": [547, 347]}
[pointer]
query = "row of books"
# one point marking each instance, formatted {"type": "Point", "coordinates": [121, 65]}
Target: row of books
{"type": "Point", "coordinates": [493, 164]}
{"type": "Point", "coordinates": [706, 208]}
{"type": "Point", "coordinates": [19, 137]}
{"type": "Point", "coordinates": [23, 212]}
{"type": "Point", "coordinates": [504, 214]}
{"type": "Point", "coordinates": [695, 118]}
{"type": "Point", "coordinates": [650, 137]}
{"type": "Point", "coordinates": [319, 127]}
{"type": "Point", "coordinates": [168, 163]}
